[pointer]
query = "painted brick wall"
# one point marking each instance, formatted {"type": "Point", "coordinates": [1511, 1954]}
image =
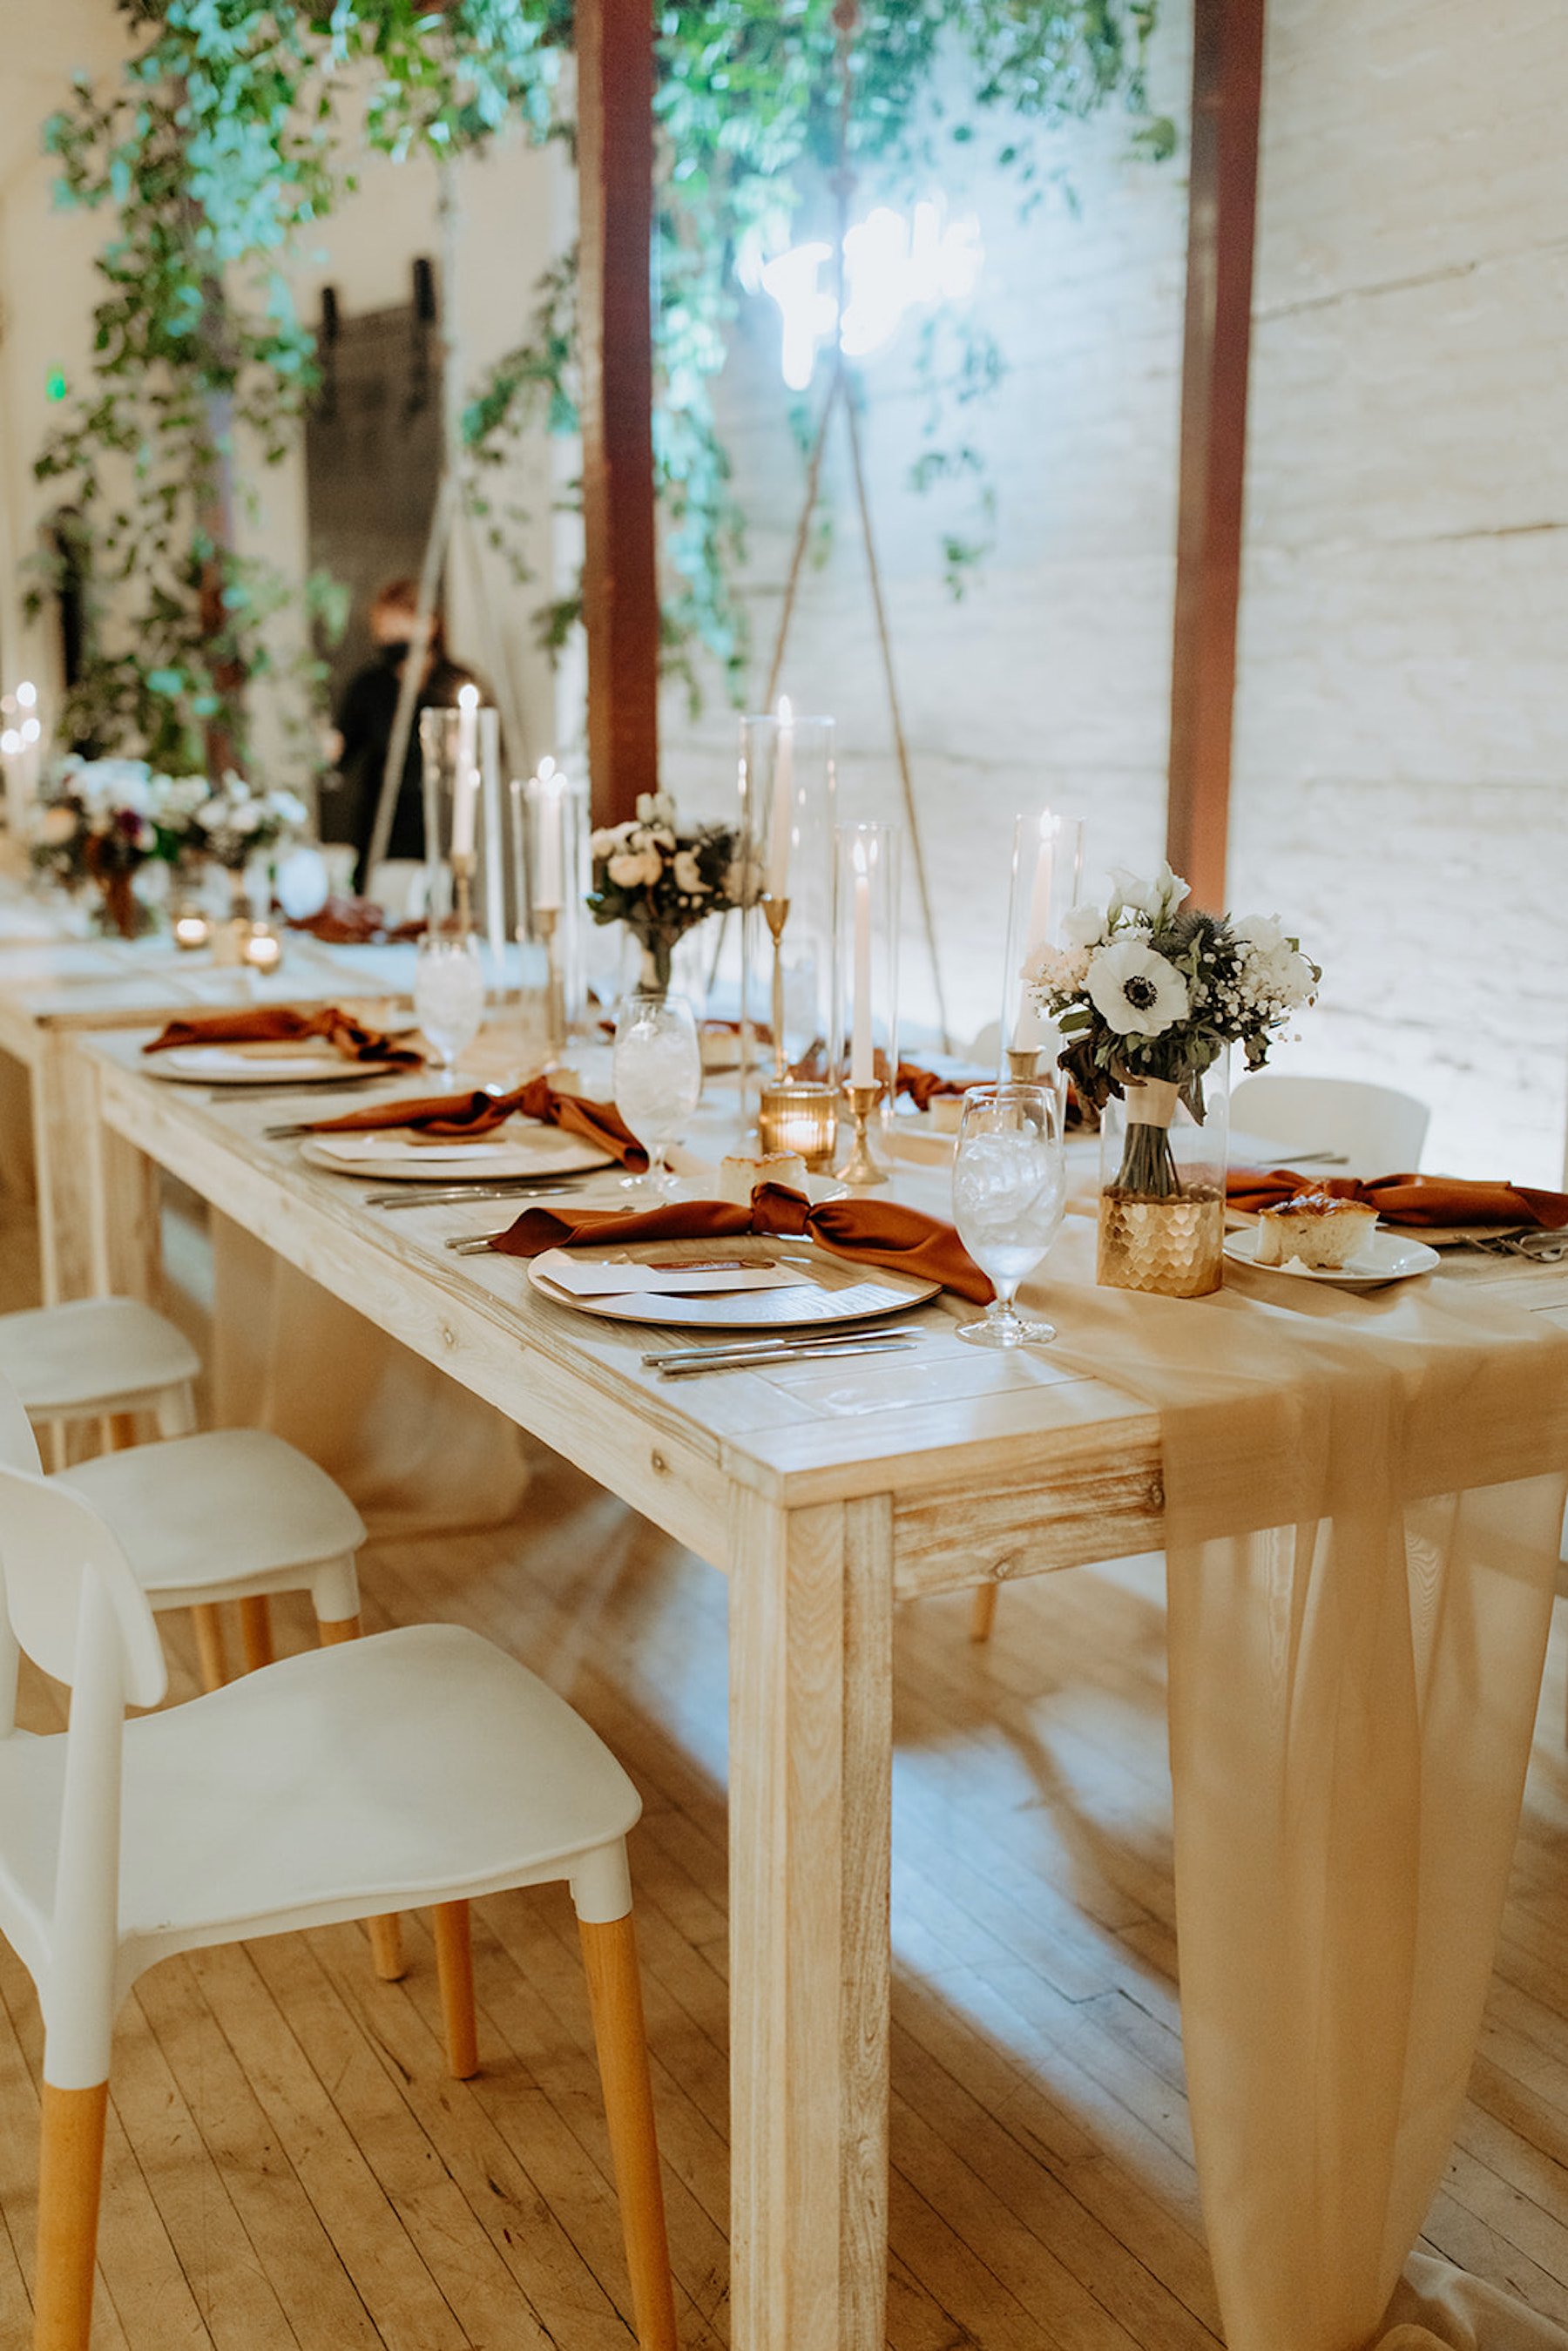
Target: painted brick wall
{"type": "Point", "coordinates": [1402, 738]}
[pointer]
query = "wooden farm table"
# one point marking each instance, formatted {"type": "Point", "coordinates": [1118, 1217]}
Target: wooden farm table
{"type": "Point", "coordinates": [52, 990]}
{"type": "Point", "coordinates": [827, 1494]}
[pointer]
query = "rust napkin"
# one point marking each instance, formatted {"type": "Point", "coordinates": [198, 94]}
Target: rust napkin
{"type": "Point", "coordinates": [1413, 1200]}
{"type": "Point", "coordinates": [870, 1232]}
{"type": "Point", "coordinates": [923, 1086]}
{"type": "Point", "coordinates": [280, 1024]}
{"type": "Point", "coordinates": [355, 923]}
{"type": "Point", "coordinates": [471, 1115]}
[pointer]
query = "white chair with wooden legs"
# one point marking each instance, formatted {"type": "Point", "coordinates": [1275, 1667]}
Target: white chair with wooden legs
{"type": "Point", "coordinates": [99, 1359]}
{"type": "Point", "coordinates": [1371, 1130]}
{"type": "Point", "coordinates": [421, 1766]}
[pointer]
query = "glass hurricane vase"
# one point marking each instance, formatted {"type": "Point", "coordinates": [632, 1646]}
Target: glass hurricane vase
{"type": "Point", "coordinates": [1162, 1187]}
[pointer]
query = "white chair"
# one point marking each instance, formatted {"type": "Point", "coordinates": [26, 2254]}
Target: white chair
{"type": "Point", "coordinates": [1371, 1130]}
{"type": "Point", "coordinates": [97, 1358]}
{"type": "Point", "coordinates": [418, 1766]}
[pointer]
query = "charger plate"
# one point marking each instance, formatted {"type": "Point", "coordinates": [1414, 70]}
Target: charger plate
{"type": "Point", "coordinates": [391, 1154]}
{"type": "Point", "coordinates": [263, 1065]}
{"type": "Point", "coordinates": [840, 1291]}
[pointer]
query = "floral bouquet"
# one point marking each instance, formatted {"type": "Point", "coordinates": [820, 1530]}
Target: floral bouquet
{"type": "Point", "coordinates": [1148, 996]}
{"type": "Point", "coordinates": [95, 823]}
{"type": "Point", "coordinates": [237, 821]}
{"type": "Point", "coordinates": [659, 881]}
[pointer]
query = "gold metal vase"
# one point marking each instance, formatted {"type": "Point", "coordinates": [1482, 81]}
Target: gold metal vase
{"type": "Point", "coordinates": [1175, 1247]}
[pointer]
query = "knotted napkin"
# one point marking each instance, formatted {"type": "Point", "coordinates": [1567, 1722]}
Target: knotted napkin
{"type": "Point", "coordinates": [354, 922]}
{"type": "Point", "coordinates": [869, 1232]}
{"type": "Point", "coordinates": [281, 1024]}
{"type": "Point", "coordinates": [1407, 1200]}
{"type": "Point", "coordinates": [470, 1115]}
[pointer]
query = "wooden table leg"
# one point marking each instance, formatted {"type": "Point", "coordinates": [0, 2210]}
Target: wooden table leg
{"type": "Point", "coordinates": [72, 1177]}
{"type": "Point", "coordinates": [811, 1760]}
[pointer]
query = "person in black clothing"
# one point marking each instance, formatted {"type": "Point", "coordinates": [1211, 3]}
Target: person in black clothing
{"type": "Point", "coordinates": [365, 725]}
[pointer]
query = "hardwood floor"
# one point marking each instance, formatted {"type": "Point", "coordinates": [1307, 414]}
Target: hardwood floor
{"type": "Point", "coordinates": [290, 2166]}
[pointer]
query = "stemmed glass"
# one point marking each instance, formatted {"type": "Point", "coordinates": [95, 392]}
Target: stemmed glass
{"type": "Point", "coordinates": [449, 994]}
{"type": "Point", "coordinates": [1009, 1193]}
{"type": "Point", "coordinates": [658, 1078]}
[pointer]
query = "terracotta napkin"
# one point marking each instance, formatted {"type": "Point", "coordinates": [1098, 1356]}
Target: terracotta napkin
{"type": "Point", "coordinates": [355, 922]}
{"type": "Point", "coordinates": [923, 1086]}
{"type": "Point", "coordinates": [471, 1115]}
{"type": "Point", "coordinates": [870, 1232]}
{"type": "Point", "coordinates": [1413, 1200]}
{"type": "Point", "coordinates": [280, 1024]}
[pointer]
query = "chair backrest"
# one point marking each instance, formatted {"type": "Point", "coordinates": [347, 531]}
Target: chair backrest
{"type": "Point", "coordinates": [19, 1444]}
{"type": "Point", "coordinates": [1375, 1130]}
{"type": "Point", "coordinates": [59, 1560]}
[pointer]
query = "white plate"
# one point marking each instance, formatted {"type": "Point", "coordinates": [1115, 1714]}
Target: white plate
{"type": "Point", "coordinates": [1387, 1256]}
{"type": "Point", "coordinates": [237, 1065]}
{"type": "Point", "coordinates": [392, 1155]}
{"type": "Point", "coordinates": [840, 1291]}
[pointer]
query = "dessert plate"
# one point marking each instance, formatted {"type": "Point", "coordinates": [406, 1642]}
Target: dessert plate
{"type": "Point", "coordinates": [263, 1065]}
{"type": "Point", "coordinates": [394, 1154]}
{"type": "Point", "coordinates": [832, 1292]}
{"type": "Point", "coordinates": [1387, 1256]}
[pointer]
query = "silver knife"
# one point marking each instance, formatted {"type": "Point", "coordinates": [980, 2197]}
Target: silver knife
{"type": "Point", "coordinates": [838, 1336]}
{"type": "Point", "coordinates": [684, 1371]}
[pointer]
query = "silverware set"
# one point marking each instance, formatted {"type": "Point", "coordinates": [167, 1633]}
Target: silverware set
{"type": "Point", "coordinates": [442, 1196]}
{"type": "Point", "coordinates": [794, 1347]}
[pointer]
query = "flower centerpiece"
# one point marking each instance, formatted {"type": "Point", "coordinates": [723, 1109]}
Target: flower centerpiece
{"type": "Point", "coordinates": [95, 824]}
{"type": "Point", "coordinates": [235, 822]}
{"type": "Point", "coordinates": [660, 882]}
{"type": "Point", "coordinates": [1149, 997]}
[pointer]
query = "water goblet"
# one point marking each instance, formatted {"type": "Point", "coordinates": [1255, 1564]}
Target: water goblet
{"type": "Point", "coordinates": [449, 994]}
{"type": "Point", "coordinates": [658, 1078]}
{"type": "Point", "coordinates": [1009, 1193]}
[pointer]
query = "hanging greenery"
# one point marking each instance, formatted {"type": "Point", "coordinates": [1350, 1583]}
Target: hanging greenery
{"type": "Point", "coordinates": [226, 137]}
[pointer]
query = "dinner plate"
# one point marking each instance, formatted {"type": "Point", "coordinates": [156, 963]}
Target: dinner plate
{"type": "Point", "coordinates": [838, 1291]}
{"type": "Point", "coordinates": [392, 1154]}
{"type": "Point", "coordinates": [260, 1065]}
{"type": "Point", "coordinates": [1387, 1256]}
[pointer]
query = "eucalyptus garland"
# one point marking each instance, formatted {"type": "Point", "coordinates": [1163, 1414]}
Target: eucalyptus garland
{"type": "Point", "coordinates": [226, 137]}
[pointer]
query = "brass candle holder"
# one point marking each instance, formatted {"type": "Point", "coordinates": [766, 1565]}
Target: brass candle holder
{"type": "Point", "coordinates": [861, 1167]}
{"type": "Point", "coordinates": [777, 912]}
{"type": "Point", "coordinates": [547, 924]}
{"type": "Point", "coordinates": [1024, 1065]}
{"type": "Point", "coordinates": [799, 1114]}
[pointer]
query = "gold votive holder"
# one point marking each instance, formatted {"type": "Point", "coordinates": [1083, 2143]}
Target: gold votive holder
{"type": "Point", "coordinates": [192, 933]}
{"type": "Point", "coordinates": [263, 948]}
{"type": "Point", "coordinates": [1175, 1248]}
{"type": "Point", "coordinates": [861, 1167]}
{"type": "Point", "coordinates": [799, 1114]}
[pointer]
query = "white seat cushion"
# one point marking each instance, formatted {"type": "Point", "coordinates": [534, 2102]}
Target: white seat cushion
{"type": "Point", "coordinates": [232, 1503]}
{"type": "Point", "coordinates": [73, 1357]}
{"type": "Point", "coordinates": [386, 1771]}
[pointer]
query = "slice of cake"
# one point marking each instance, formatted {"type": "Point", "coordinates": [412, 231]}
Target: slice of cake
{"type": "Point", "coordinates": [1324, 1233]}
{"type": "Point", "coordinates": [739, 1177]}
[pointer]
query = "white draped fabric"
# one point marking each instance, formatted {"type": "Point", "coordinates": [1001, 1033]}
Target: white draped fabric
{"type": "Point", "coordinates": [1357, 1624]}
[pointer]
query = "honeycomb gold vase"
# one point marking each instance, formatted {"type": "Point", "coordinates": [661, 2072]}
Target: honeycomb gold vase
{"type": "Point", "coordinates": [1173, 1247]}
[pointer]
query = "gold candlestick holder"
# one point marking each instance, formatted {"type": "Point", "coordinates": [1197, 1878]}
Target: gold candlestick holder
{"type": "Point", "coordinates": [777, 910]}
{"type": "Point", "coordinates": [1024, 1065]}
{"type": "Point", "coordinates": [546, 923]}
{"type": "Point", "coordinates": [861, 1168]}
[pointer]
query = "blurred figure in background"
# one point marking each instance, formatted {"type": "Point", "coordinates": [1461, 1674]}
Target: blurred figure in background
{"type": "Point", "coordinates": [357, 746]}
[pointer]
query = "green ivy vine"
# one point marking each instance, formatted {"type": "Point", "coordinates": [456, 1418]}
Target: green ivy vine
{"type": "Point", "coordinates": [226, 135]}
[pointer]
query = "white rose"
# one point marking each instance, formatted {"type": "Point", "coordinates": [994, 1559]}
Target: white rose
{"type": "Point", "coordinates": [1082, 926]}
{"type": "Point", "coordinates": [607, 841]}
{"type": "Point", "coordinates": [1151, 899]}
{"type": "Point", "coordinates": [1262, 931]}
{"type": "Point", "coordinates": [245, 819]}
{"type": "Point", "coordinates": [635, 869]}
{"type": "Point", "coordinates": [689, 874]}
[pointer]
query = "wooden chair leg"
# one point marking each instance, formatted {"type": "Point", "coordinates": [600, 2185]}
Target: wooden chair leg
{"type": "Point", "coordinates": [70, 2176]}
{"type": "Point", "coordinates": [333, 1629]}
{"type": "Point", "coordinates": [386, 1935]}
{"type": "Point", "coordinates": [455, 1964]}
{"type": "Point", "coordinates": [121, 1428]}
{"type": "Point", "coordinates": [615, 1994]}
{"type": "Point", "coordinates": [983, 1613]}
{"type": "Point", "coordinates": [256, 1632]}
{"type": "Point", "coordinates": [209, 1624]}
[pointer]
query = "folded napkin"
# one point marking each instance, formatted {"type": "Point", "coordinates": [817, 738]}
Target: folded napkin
{"type": "Point", "coordinates": [469, 1116]}
{"type": "Point", "coordinates": [280, 1024]}
{"type": "Point", "coordinates": [870, 1232]}
{"type": "Point", "coordinates": [1413, 1200]}
{"type": "Point", "coordinates": [923, 1086]}
{"type": "Point", "coordinates": [355, 922]}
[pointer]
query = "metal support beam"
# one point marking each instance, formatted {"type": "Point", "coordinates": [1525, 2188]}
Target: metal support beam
{"type": "Point", "coordinates": [1226, 103]}
{"type": "Point", "coordinates": [620, 587]}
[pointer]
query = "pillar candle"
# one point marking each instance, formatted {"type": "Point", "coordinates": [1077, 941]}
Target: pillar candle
{"type": "Point", "coordinates": [1028, 1032]}
{"type": "Point", "coordinates": [549, 793]}
{"type": "Point", "coordinates": [862, 1061]}
{"type": "Point", "coordinates": [783, 804]}
{"type": "Point", "coordinates": [466, 783]}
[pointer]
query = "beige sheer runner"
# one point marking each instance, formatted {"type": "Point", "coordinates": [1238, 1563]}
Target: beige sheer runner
{"type": "Point", "coordinates": [1357, 1626]}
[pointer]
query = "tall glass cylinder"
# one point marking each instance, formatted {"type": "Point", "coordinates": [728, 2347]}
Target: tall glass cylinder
{"type": "Point", "coordinates": [864, 1032]}
{"type": "Point", "coordinates": [788, 807]}
{"type": "Point", "coordinates": [1046, 881]}
{"type": "Point", "coordinates": [465, 850]}
{"type": "Point", "coordinates": [551, 813]}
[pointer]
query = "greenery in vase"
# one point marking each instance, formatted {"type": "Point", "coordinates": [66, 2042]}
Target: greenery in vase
{"type": "Point", "coordinates": [1144, 989]}
{"type": "Point", "coordinates": [224, 139]}
{"type": "Point", "coordinates": [659, 881]}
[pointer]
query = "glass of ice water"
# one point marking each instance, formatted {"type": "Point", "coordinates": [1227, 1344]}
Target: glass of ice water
{"type": "Point", "coordinates": [658, 1069]}
{"type": "Point", "coordinates": [1009, 1190]}
{"type": "Point", "coordinates": [449, 993]}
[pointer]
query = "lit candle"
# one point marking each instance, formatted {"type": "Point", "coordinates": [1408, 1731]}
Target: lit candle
{"type": "Point", "coordinates": [783, 804]}
{"type": "Point", "coordinates": [465, 785]}
{"type": "Point", "coordinates": [863, 1063]}
{"type": "Point", "coordinates": [550, 790]}
{"type": "Point", "coordinates": [1030, 1032]}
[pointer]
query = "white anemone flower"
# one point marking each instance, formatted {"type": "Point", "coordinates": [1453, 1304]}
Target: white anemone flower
{"type": "Point", "coordinates": [1135, 991]}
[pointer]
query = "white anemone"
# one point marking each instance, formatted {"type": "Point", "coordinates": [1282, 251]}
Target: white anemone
{"type": "Point", "coordinates": [1135, 991]}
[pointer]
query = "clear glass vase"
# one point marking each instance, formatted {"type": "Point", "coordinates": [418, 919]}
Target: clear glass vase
{"type": "Point", "coordinates": [1162, 1187]}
